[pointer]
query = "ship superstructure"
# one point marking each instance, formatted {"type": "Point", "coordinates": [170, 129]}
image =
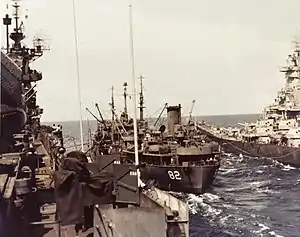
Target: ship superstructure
{"type": "Point", "coordinates": [281, 119]}
{"type": "Point", "coordinates": [277, 133]}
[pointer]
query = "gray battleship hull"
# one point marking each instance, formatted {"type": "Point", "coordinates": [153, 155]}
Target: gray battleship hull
{"type": "Point", "coordinates": [283, 154]}
{"type": "Point", "coordinates": [179, 178]}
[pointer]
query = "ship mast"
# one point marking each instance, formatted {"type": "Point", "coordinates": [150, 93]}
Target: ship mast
{"type": "Point", "coordinates": [17, 36]}
{"type": "Point", "coordinates": [141, 99]}
{"type": "Point", "coordinates": [134, 92]}
{"type": "Point", "coordinates": [112, 104]}
{"type": "Point", "coordinates": [125, 99]}
{"type": "Point", "coordinates": [297, 51]}
{"type": "Point", "coordinates": [78, 76]}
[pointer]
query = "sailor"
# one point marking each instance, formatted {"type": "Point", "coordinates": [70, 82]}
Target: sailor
{"type": "Point", "coordinates": [60, 135]}
{"type": "Point", "coordinates": [104, 133]}
{"type": "Point", "coordinates": [58, 129]}
{"type": "Point", "coordinates": [97, 136]}
{"type": "Point", "coordinates": [130, 122]}
{"type": "Point", "coordinates": [142, 146]}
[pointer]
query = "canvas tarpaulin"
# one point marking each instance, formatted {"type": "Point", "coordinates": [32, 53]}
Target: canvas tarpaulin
{"type": "Point", "coordinates": [76, 186]}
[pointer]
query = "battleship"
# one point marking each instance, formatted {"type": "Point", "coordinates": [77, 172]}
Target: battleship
{"type": "Point", "coordinates": [46, 192]}
{"type": "Point", "coordinates": [276, 134]}
{"type": "Point", "coordinates": [173, 157]}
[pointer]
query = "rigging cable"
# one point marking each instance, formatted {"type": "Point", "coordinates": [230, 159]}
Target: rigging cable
{"type": "Point", "coordinates": [134, 85]}
{"type": "Point", "coordinates": [78, 76]}
{"type": "Point", "coordinates": [136, 155]}
{"type": "Point", "coordinates": [151, 117]}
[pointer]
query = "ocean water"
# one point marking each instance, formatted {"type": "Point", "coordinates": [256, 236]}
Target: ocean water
{"type": "Point", "coordinates": [250, 196]}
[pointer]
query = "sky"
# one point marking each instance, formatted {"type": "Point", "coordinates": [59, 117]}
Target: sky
{"type": "Point", "coordinates": [223, 54]}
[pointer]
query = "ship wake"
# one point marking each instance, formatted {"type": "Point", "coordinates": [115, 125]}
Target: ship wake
{"type": "Point", "coordinates": [242, 200]}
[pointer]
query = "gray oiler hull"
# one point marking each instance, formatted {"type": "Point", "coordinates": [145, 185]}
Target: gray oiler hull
{"type": "Point", "coordinates": [180, 179]}
{"type": "Point", "coordinates": [284, 154]}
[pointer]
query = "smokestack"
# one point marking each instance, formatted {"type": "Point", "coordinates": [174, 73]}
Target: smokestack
{"type": "Point", "coordinates": [174, 117]}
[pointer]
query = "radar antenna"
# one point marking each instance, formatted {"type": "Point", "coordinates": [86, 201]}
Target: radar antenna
{"type": "Point", "coordinates": [40, 45]}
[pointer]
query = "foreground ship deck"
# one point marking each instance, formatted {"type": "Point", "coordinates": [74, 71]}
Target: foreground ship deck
{"type": "Point", "coordinates": [149, 212]}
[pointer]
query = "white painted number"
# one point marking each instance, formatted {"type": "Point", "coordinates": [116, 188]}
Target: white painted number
{"type": "Point", "coordinates": [174, 175]}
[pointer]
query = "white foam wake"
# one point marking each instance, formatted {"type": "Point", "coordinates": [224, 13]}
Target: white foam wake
{"type": "Point", "coordinates": [284, 167]}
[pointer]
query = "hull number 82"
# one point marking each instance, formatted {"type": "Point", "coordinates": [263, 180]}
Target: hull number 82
{"type": "Point", "coordinates": [174, 175]}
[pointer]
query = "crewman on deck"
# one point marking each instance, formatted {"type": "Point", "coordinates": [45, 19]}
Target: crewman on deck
{"type": "Point", "coordinates": [54, 126]}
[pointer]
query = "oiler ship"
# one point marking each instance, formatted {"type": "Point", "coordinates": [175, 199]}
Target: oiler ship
{"type": "Point", "coordinates": [173, 158]}
{"type": "Point", "coordinates": [46, 192]}
{"type": "Point", "coordinates": [277, 134]}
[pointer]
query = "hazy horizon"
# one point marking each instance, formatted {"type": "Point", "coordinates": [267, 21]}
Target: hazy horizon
{"type": "Point", "coordinates": [223, 54]}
